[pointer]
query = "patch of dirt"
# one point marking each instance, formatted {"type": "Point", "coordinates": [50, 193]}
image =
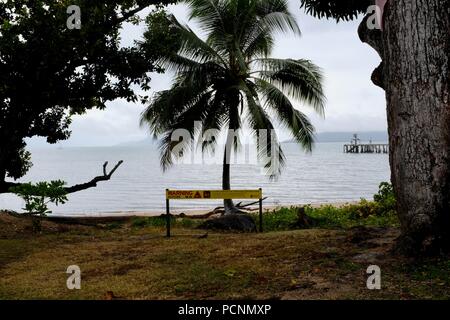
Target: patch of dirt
{"type": "Point", "coordinates": [364, 247]}
{"type": "Point", "coordinates": [13, 225]}
{"type": "Point", "coordinates": [124, 269]}
{"type": "Point", "coordinates": [316, 287]}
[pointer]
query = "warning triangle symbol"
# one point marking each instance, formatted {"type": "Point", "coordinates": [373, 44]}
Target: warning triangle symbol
{"type": "Point", "coordinates": [197, 195]}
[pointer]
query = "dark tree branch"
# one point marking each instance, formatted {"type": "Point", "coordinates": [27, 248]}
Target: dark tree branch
{"type": "Point", "coordinates": [126, 15]}
{"type": "Point", "coordinates": [241, 206]}
{"type": "Point", "coordinates": [6, 186]}
{"type": "Point", "coordinates": [145, 4]}
{"type": "Point", "coordinates": [93, 183]}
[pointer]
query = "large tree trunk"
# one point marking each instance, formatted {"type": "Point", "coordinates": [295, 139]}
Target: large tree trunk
{"type": "Point", "coordinates": [414, 47]}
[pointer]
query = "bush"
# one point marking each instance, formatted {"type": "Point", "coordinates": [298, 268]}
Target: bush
{"type": "Point", "coordinates": [38, 196]}
{"type": "Point", "coordinates": [385, 198]}
{"type": "Point", "coordinates": [379, 213]}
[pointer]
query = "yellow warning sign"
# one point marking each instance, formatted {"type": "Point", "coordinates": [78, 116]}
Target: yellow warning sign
{"type": "Point", "coordinates": [213, 194]}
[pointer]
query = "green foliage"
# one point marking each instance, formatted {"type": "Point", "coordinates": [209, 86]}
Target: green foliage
{"type": "Point", "coordinates": [38, 196]}
{"type": "Point", "coordinates": [380, 213]}
{"type": "Point", "coordinates": [160, 38]}
{"type": "Point", "coordinates": [279, 220]}
{"type": "Point", "coordinates": [49, 73]}
{"type": "Point", "coordinates": [386, 196]}
{"type": "Point", "coordinates": [328, 216]}
{"type": "Point", "coordinates": [336, 9]}
{"type": "Point", "coordinates": [230, 74]}
{"type": "Point", "coordinates": [362, 214]}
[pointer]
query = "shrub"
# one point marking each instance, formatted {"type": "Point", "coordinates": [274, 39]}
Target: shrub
{"type": "Point", "coordinates": [38, 196]}
{"type": "Point", "coordinates": [378, 213]}
{"type": "Point", "coordinates": [385, 198]}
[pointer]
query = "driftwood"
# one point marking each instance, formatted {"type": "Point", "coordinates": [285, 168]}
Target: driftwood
{"type": "Point", "coordinates": [239, 206]}
{"type": "Point", "coordinates": [216, 211]}
{"type": "Point", "coordinates": [197, 216]}
{"type": "Point", "coordinates": [4, 187]}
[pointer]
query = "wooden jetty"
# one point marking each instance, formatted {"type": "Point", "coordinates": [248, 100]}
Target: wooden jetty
{"type": "Point", "coordinates": [366, 148]}
{"type": "Point", "coordinates": [356, 147]}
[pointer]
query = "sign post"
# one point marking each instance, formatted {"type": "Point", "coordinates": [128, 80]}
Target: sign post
{"type": "Point", "coordinates": [212, 194]}
{"type": "Point", "coordinates": [167, 215]}
{"type": "Point", "coordinates": [260, 211]}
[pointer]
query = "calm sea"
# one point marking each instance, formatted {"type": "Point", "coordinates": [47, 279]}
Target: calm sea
{"type": "Point", "coordinates": [325, 176]}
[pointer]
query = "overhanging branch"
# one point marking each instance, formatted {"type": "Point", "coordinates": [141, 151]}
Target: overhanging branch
{"type": "Point", "coordinates": [145, 4]}
{"type": "Point", "coordinates": [93, 183]}
{"type": "Point", "coordinates": [5, 187]}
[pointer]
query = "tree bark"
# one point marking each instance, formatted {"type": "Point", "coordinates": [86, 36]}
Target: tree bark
{"type": "Point", "coordinates": [414, 47]}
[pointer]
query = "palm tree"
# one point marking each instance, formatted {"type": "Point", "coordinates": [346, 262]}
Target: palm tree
{"type": "Point", "coordinates": [230, 78]}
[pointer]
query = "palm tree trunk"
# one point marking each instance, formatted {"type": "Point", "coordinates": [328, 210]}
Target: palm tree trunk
{"type": "Point", "coordinates": [226, 183]}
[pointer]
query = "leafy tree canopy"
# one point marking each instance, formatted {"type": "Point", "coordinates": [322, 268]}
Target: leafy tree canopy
{"type": "Point", "coordinates": [49, 72]}
{"type": "Point", "coordinates": [336, 9]}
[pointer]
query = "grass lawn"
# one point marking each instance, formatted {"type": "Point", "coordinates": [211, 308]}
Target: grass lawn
{"type": "Point", "coordinates": [134, 261]}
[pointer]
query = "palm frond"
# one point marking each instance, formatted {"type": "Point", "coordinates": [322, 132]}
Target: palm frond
{"type": "Point", "coordinates": [208, 13]}
{"type": "Point", "coordinates": [298, 123]}
{"type": "Point", "coordinates": [271, 16]}
{"type": "Point", "coordinates": [276, 16]}
{"type": "Point", "coordinates": [185, 121]}
{"type": "Point", "coordinates": [300, 79]}
{"type": "Point", "coordinates": [269, 148]}
{"type": "Point", "coordinates": [257, 43]}
{"type": "Point", "coordinates": [215, 83]}
{"type": "Point", "coordinates": [215, 120]}
{"type": "Point", "coordinates": [192, 46]}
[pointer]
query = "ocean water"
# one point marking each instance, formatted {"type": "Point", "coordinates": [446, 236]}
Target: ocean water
{"type": "Point", "coordinates": [326, 175]}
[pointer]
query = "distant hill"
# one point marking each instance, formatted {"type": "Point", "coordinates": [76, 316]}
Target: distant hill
{"type": "Point", "coordinates": [375, 136]}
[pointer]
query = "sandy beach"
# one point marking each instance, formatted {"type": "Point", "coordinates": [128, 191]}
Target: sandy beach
{"type": "Point", "coordinates": [189, 212]}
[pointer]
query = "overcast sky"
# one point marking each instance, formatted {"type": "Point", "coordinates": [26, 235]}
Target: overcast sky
{"type": "Point", "coordinates": [353, 102]}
